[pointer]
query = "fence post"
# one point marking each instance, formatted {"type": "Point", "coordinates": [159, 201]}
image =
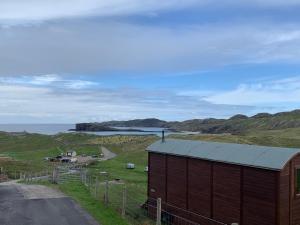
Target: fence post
{"type": "Point", "coordinates": [53, 175]}
{"type": "Point", "coordinates": [91, 183]}
{"type": "Point", "coordinates": [158, 212]}
{"type": "Point", "coordinates": [106, 192]}
{"type": "Point", "coordinates": [96, 187]}
{"type": "Point", "coordinates": [124, 202]}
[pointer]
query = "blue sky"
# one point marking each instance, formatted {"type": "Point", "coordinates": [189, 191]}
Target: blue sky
{"type": "Point", "coordinates": [94, 60]}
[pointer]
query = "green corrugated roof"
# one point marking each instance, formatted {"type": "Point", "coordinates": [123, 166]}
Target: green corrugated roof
{"type": "Point", "coordinates": [271, 158]}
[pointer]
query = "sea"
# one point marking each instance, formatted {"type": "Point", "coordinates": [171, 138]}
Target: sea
{"type": "Point", "coordinates": [52, 129]}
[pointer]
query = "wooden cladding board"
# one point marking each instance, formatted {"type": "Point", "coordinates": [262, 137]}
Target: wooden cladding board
{"type": "Point", "coordinates": [284, 196]}
{"type": "Point", "coordinates": [157, 176]}
{"type": "Point", "coordinates": [199, 194]}
{"type": "Point", "coordinates": [259, 197]}
{"type": "Point", "coordinates": [177, 181]}
{"type": "Point", "coordinates": [226, 193]}
{"type": "Point", "coordinates": [295, 200]}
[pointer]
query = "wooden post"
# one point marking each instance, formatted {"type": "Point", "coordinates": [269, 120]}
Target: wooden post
{"type": "Point", "coordinates": [96, 187]}
{"type": "Point", "coordinates": [85, 177]}
{"type": "Point", "coordinates": [106, 192]}
{"type": "Point", "coordinates": [124, 202]}
{"type": "Point", "coordinates": [158, 212]}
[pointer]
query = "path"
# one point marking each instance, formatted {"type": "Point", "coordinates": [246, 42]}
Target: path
{"type": "Point", "coordinates": [107, 154]}
{"type": "Point", "coordinates": [22, 204]}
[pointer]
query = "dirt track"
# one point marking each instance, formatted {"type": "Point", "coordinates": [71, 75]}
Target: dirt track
{"type": "Point", "coordinates": [107, 154]}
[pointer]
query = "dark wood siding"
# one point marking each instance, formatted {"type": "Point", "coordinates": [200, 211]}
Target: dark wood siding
{"type": "Point", "coordinates": [177, 181]}
{"type": "Point", "coordinates": [157, 176]}
{"type": "Point", "coordinates": [226, 193]}
{"type": "Point", "coordinates": [259, 196]}
{"type": "Point", "coordinates": [199, 193]}
{"type": "Point", "coordinates": [284, 196]}
{"type": "Point", "coordinates": [295, 200]}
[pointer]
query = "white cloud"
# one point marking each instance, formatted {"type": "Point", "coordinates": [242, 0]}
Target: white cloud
{"type": "Point", "coordinates": [44, 79]}
{"type": "Point", "coordinates": [97, 47]}
{"type": "Point", "coordinates": [51, 80]}
{"type": "Point", "coordinates": [47, 104]}
{"type": "Point", "coordinates": [276, 93]}
{"type": "Point", "coordinates": [19, 11]}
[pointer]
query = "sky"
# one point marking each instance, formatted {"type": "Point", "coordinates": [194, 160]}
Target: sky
{"type": "Point", "coordinates": [69, 61]}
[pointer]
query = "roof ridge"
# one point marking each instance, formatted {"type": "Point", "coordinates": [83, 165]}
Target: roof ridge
{"type": "Point", "coordinates": [231, 153]}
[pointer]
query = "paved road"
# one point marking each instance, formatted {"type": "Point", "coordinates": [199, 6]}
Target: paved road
{"type": "Point", "coordinates": [39, 205]}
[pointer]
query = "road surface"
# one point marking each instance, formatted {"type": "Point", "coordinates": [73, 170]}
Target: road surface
{"type": "Point", "coordinates": [38, 205]}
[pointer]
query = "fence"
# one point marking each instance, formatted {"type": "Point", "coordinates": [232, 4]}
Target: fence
{"type": "Point", "coordinates": [134, 205]}
{"type": "Point", "coordinates": [129, 200]}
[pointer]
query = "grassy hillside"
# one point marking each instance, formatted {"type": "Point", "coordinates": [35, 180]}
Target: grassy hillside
{"type": "Point", "coordinates": [237, 124]}
{"type": "Point", "coordinates": [278, 138]}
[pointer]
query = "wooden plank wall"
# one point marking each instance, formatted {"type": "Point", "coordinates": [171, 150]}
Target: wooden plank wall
{"type": "Point", "coordinates": [295, 200]}
{"type": "Point", "coordinates": [177, 181]}
{"type": "Point", "coordinates": [224, 192]}
{"type": "Point", "coordinates": [259, 197]}
{"type": "Point", "coordinates": [199, 194]}
{"type": "Point", "coordinates": [157, 176]}
{"type": "Point", "coordinates": [284, 196]}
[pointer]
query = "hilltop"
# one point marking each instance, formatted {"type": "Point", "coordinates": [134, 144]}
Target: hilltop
{"type": "Point", "coordinates": [234, 125]}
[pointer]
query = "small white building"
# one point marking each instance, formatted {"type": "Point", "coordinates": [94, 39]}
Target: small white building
{"type": "Point", "coordinates": [130, 166]}
{"type": "Point", "coordinates": [71, 153]}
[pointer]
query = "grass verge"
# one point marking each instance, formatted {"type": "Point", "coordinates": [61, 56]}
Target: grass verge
{"type": "Point", "coordinates": [79, 192]}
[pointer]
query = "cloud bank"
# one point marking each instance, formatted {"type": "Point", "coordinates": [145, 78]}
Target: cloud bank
{"type": "Point", "coordinates": [40, 99]}
{"type": "Point", "coordinates": [18, 11]}
{"type": "Point", "coordinates": [84, 47]}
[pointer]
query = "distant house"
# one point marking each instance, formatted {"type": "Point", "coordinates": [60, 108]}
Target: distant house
{"type": "Point", "coordinates": [71, 153]}
{"type": "Point", "coordinates": [216, 183]}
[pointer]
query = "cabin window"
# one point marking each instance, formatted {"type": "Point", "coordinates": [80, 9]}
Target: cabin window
{"type": "Point", "coordinates": [298, 181]}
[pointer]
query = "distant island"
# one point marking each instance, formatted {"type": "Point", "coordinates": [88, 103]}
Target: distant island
{"type": "Point", "coordinates": [237, 124]}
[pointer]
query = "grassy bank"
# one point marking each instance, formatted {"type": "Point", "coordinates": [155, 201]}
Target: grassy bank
{"type": "Point", "coordinates": [104, 215]}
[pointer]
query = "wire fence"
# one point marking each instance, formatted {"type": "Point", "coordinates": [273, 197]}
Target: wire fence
{"type": "Point", "coordinates": [129, 200]}
{"type": "Point", "coordinates": [134, 204]}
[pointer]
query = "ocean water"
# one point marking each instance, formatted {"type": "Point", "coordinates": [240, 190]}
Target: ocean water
{"type": "Point", "coordinates": [51, 129]}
